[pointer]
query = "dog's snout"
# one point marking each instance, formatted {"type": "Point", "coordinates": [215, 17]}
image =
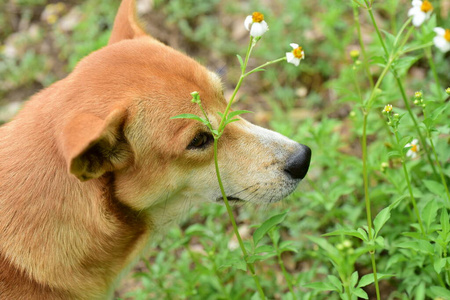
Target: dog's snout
{"type": "Point", "coordinates": [297, 164]}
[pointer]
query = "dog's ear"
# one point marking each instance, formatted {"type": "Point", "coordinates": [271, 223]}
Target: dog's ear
{"type": "Point", "coordinates": [126, 24]}
{"type": "Point", "coordinates": [93, 146]}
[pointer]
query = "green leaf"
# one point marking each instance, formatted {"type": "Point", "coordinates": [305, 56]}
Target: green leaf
{"type": "Point", "coordinates": [321, 286]}
{"type": "Point", "coordinates": [350, 232]}
{"type": "Point", "coordinates": [235, 263]}
{"type": "Point", "coordinates": [435, 187]}
{"type": "Point", "coordinates": [237, 112]}
{"type": "Point", "coordinates": [403, 64]}
{"type": "Point", "coordinates": [381, 219]}
{"type": "Point", "coordinates": [360, 293]}
{"type": "Point", "coordinates": [253, 258]}
{"type": "Point", "coordinates": [369, 279]}
{"type": "Point", "coordinates": [230, 121]}
{"type": "Point", "coordinates": [394, 153]}
{"type": "Point", "coordinates": [429, 213]}
{"type": "Point", "coordinates": [378, 60]}
{"type": "Point", "coordinates": [335, 281]}
{"type": "Point", "coordinates": [438, 264]}
{"type": "Point", "coordinates": [437, 291]}
{"type": "Point", "coordinates": [287, 246]}
{"type": "Point", "coordinates": [266, 226]}
{"type": "Point", "coordinates": [419, 245]}
{"type": "Point", "coordinates": [241, 62]}
{"type": "Point", "coordinates": [264, 248]}
{"type": "Point", "coordinates": [445, 223]}
{"type": "Point", "coordinates": [190, 116]}
{"type": "Point", "coordinates": [323, 243]}
{"type": "Point", "coordinates": [354, 278]}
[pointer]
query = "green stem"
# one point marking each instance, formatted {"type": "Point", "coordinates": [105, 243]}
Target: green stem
{"type": "Point", "coordinates": [402, 91]}
{"type": "Point", "coordinates": [416, 125]}
{"type": "Point", "coordinates": [429, 56]}
{"type": "Point", "coordinates": [365, 174]}
{"type": "Point", "coordinates": [361, 45]}
{"type": "Point", "coordinates": [408, 182]}
{"type": "Point", "coordinates": [283, 269]}
{"type": "Point", "coordinates": [375, 276]}
{"type": "Point", "coordinates": [264, 65]}
{"type": "Point", "coordinates": [378, 31]}
{"type": "Point", "coordinates": [233, 222]}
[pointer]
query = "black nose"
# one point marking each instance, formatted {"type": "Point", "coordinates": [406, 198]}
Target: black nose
{"type": "Point", "coordinates": [298, 163]}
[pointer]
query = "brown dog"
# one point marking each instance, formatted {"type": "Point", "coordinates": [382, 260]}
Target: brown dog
{"type": "Point", "coordinates": [93, 166]}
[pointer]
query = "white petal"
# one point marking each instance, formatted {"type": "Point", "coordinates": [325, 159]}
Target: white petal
{"type": "Point", "coordinates": [419, 18]}
{"type": "Point", "coordinates": [413, 11]}
{"type": "Point", "coordinates": [303, 54]}
{"type": "Point", "coordinates": [441, 43]}
{"type": "Point", "coordinates": [292, 59]}
{"type": "Point", "coordinates": [258, 29]}
{"type": "Point", "coordinates": [415, 141]}
{"type": "Point", "coordinates": [439, 31]}
{"type": "Point", "coordinates": [416, 3]}
{"type": "Point", "coordinates": [289, 57]}
{"type": "Point", "coordinates": [248, 21]}
{"type": "Point", "coordinates": [408, 145]}
{"type": "Point", "coordinates": [294, 45]}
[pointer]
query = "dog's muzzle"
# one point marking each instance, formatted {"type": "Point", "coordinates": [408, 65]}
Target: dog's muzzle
{"type": "Point", "coordinates": [297, 164]}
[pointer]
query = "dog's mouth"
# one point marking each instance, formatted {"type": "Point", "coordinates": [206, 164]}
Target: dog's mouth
{"type": "Point", "coordinates": [231, 199]}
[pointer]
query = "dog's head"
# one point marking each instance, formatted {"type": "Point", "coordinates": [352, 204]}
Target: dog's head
{"type": "Point", "coordinates": [121, 124]}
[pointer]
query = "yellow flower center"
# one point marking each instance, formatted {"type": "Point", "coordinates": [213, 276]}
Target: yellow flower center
{"type": "Point", "coordinates": [426, 6]}
{"type": "Point", "coordinates": [257, 17]}
{"type": "Point", "coordinates": [298, 52]}
{"type": "Point", "coordinates": [388, 108]}
{"type": "Point", "coordinates": [414, 148]}
{"type": "Point", "coordinates": [447, 35]}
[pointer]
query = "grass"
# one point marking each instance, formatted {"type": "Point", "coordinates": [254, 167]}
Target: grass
{"type": "Point", "coordinates": [368, 221]}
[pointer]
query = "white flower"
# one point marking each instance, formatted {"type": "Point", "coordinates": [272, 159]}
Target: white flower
{"type": "Point", "coordinates": [412, 152]}
{"type": "Point", "coordinates": [442, 40]}
{"type": "Point", "coordinates": [420, 11]}
{"type": "Point", "coordinates": [256, 24]}
{"type": "Point", "coordinates": [296, 55]}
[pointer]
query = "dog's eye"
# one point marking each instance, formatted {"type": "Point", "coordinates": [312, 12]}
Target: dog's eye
{"type": "Point", "coordinates": [200, 141]}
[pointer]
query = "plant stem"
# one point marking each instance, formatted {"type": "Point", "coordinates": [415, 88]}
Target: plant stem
{"type": "Point", "coordinates": [402, 91]}
{"type": "Point", "coordinates": [283, 269]}
{"type": "Point", "coordinates": [367, 199]}
{"type": "Point", "coordinates": [416, 125]}
{"type": "Point", "coordinates": [375, 276]}
{"type": "Point", "coordinates": [361, 45]}
{"type": "Point", "coordinates": [377, 30]}
{"type": "Point", "coordinates": [408, 183]}
{"type": "Point", "coordinates": [365, 174]}
{"type": "Point", "coordinates": [233, 222]}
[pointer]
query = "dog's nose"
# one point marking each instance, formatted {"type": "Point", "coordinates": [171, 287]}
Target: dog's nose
{"type": "Point", "coordinates": [298, 163]}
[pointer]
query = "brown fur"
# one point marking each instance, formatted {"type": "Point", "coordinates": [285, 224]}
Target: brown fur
{"type": "Point", "coordinates": [93, 166]}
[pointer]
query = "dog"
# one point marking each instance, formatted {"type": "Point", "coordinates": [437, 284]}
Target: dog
{"type": "Point", "coordinates": [93, 166]}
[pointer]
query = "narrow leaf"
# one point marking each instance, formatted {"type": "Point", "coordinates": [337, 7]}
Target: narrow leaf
{"type": "Point", "coordinates": [238, 112]}
{"type": "Point", "coordinates": [381, 219]}
{"type": "Point", "coordinates": [189, 116]}
{"type": "Point", "coordinates": [266, 226]}
{"type": "Point", "coordinates": [241, 62]}
{"type": "Point", "coordinates": [445, 223]}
